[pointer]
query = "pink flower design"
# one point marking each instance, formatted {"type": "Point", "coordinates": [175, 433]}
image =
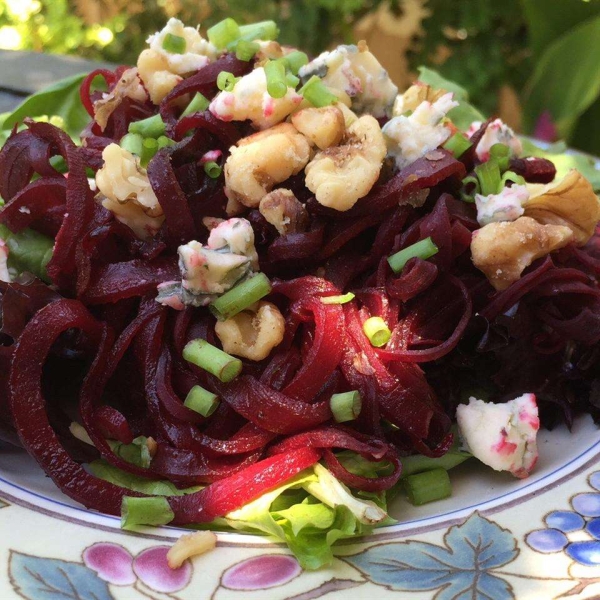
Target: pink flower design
{"type": "Point", "coordinates": [114, 564]}
{"type": "Point", "coordinates": [261, 572]}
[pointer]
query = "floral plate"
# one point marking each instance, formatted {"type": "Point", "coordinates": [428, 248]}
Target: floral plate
{"type": "Point", "coordinates": [496, 538]}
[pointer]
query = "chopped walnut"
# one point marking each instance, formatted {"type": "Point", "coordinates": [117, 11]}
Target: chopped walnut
{"type": "Point", "coordinates": [323, 126]}
{"type": "Point", "coordinates": [503, 250]}
{"type": "Point", "coordinates": [262, 160]}
{"type": "Point", "coordinates": [128, 86]}
{"type": "Point", "coordinates": [570, 202]}
{"type": "Point", "coordinates": [188, 545]}
{"type": "Point", "coordinates": [414, 95]}
{"type": "Point", "coordinates": [340, 175]}
{"type": "Point", "coordinates": [252, 334]}
{"type": "Point", "coordinates": [284, 211]}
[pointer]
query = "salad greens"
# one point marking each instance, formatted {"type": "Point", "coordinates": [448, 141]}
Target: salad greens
{"type": "Point", "coordinates": [28, 251]}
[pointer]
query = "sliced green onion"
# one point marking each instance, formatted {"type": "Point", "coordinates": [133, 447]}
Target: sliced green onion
{"type": "Point", "coordinates": [212, 169]}
{"type": "Point", "coordinates": [295, 61]}
{"type": "Point", "coordinates": [458, 144]}
{"type": "Point", "coordinates": [338, 299]}
{"type": "Point", "coordinates": [263, 30]}
{"type": "Point", "coordinates": [224, 32]}
{"type": "Point", "coordinates": [345, 406]}
{"type": "Point", "coordinates": [417, 463]}
{"type": "Point", "coordinates": [276, 83]}
{"type": "Point", "coordinates": [175, 44]}
{"type": "Point", "coordinates": [152, 510]}
{"type": "Point", "coordinates": [513, 177]}
{"type": "Point", "coordinates": [149, 149]}
{"type": "Point", "coordinates": [428, 486]}
{"type": "Point", "coordinates": [489, 177]}
{"type": "Point", "coordinates": [199, 103]}
{"type": "Point", "coordinates": [201, 401]}
{"type": "Point", "coordinates": [163, 141]}
{"type": "Point", "coordinates": [315, 91]}
{"type": "Point", "coordinates": [424, 249]}
{"type": "Point", "coordinates": [152, 127]}
{"type": "Point", "coordinates": [245, 50]}
{"type": "Point", "coordinates": [211, 359]}
{"type": "Point", "coordinates": [226, 81]}
{"type": "Point", "coordinates": [240, 297]}
{"type": "Point", "coordinates": [501, 154]}
{"type": "Point", "coordinates": [470, 197]}
{"type": "Point", "coordinates": [132, 142]}
{"type": "Point", "coordinates": [377, 331]}
{"type": "Point", "coordinates": [291, 80]}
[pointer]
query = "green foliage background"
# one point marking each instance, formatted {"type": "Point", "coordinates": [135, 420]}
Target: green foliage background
{"type": "Point", "coordinates": [545, 50]}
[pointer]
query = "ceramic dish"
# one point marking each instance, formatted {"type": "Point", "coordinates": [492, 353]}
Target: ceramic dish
{"type": "Point", "coordinates": [496, 537]}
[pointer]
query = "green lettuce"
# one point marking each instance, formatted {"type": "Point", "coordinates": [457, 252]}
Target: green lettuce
{"type": "Point", "coordinates": [28, 250]}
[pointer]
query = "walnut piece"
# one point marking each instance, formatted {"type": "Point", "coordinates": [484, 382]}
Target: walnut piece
{"type": "Point", "coordinates": [262, 160]}
{"type": "Point", "coordinates": [503, 250]}
{"type": "Point", "coordinates": [324, 126]}
{"type": "Point", "coordinates": [570, 202]}
{"type": "Point", "coordinates": [284, 211]}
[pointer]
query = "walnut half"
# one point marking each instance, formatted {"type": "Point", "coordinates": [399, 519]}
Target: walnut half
{"type": "Point", "coordinates": [284, 211]}
{"type": "Point", "coordinates": [570, 202]}
{"type": "Point", "coordinates": [503, 250]}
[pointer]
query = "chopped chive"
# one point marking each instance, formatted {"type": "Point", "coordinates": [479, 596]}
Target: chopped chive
{"type": "Point", "coordinates": [212, 169]}
{"type": "Point", "coordinates": [342, 299]}
{"type": "Point", "coordinates": [295, 61]}
{"type": "Point", "coordinates": [315, 91]}
{"type": "Point", "coordinates": [152, 510]}
{"type": "Point", "coordinates": [489, 177]}
{"type": "Point", "coordinates": [424, 249]}
{"type": "Point", "coordinates": [199, 103]}
{"type": "Point", "coordinates": [149, 149]}
{"type": "Point", "coordinates": [224, 32]}
{"type": "Point", "coordinates": [152, 127]}
{"type": "Point", "coordinates": [132, 142]}
{"type": "Point", "coordinates": [240, 297]}
{"type": "Point", "coordinates": [211, 359]}
{"type": "Point", "coordinates": [377, 331]}
{"type": "Point", "coordinates": [175, 44]}
{"type": "Point", "coordinates": [263, 30]}
{"type": "Point", "coordinates": [470, 197]}
{"type": "Point", "coordinates": [417, 463]}
{"type": "Point", "coordinates": [512, 177]}
{"type": "Point", "coordinates": [163, 141]}
{"type": "Point", "coordinates": [501, 154]}
{"type": "Point", "coordinates": [276, 83]}
{"type": "Point", "coordinates": [245, 50]}
{"type": "Point", "coordinates": [201, 401]}
{"type": "Point", "coordinates": [345, 406]}
{"type": "Point", "coordinates": [458, 144]}
{"type": "Point", "coordinates": [291, 80]}
{"type": "Point", "coordinates": [428, 486]}
{"type": "Point", "coordinates": [226, 81]}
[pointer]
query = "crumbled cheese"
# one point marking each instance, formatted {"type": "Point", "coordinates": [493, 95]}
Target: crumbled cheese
{"type": "Point", "coordinates": [211, 270]}
{"type": "Point", "coordinates": [357, 77]}
{"type": "Point", "coordinates": [198, 51]}
{"type": "Point", "coordinates": [497, 132]}
{"type": "Point", "coordinates": [4, 274]}
{"type": "Point", "coordinates": [188, 545]}
{"type": "Point", "coordinates": [505, 206]}
{"type": "Point", "coordinates": [502, 436]}
{"type": "Point", "coordinates": [409, 137]}
{"type": "Point", "coordinates": [250, 100]}
{"type": "Point", "coordinates": [207, 272]}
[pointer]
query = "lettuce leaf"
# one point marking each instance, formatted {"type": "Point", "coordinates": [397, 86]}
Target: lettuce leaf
{"type": "Point", "coordinates": [103, 470]}
{"type": "Point", "coordinates": [465, 113]}
{"type": "Point", "coordinates": [59, 103]}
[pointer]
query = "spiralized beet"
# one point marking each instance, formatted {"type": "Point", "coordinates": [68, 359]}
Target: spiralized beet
{"type": "Point", "coordinates": [99, 323]}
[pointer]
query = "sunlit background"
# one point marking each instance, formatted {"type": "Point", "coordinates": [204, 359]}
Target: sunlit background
{"type": "Point", "coordinates": [536, 63]}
